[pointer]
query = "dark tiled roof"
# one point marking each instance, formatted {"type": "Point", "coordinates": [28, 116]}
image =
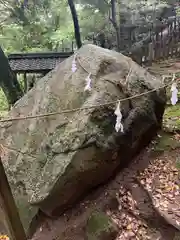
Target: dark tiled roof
{"type": "Point", "coordinates": [36, 62]}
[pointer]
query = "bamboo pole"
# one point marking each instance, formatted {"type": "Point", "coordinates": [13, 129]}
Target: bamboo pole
{"type": "Point", "coordinates": [14, 224]}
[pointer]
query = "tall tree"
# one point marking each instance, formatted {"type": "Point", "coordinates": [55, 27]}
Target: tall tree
{"type": "Point", "coordinates": [76, 23]}
{"type": "Point", "coordinates": [113, 19]}
{"type": "Point", "coordinates": [8, 81]}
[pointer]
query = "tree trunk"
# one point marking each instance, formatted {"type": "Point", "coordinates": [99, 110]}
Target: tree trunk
{"type": "Point", "coordinates": [8, 81]}
{"type": "Point", "coordinates": [115, 24]}
{"type": "Point", "coordinates": [25, 83]}
{"type": "Point", "coordinates": [76, 23]}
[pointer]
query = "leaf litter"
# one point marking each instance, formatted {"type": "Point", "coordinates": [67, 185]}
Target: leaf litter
{"type": "Point", "coordinates": [161, 181]}
{"type": "Point", "coordinates": [130, 225]}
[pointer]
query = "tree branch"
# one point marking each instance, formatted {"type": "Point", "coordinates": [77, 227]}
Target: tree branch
{"type": "Point", "coordinates": [113, 23]}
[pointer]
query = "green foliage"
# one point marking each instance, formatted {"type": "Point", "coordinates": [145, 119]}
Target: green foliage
{"type": "Point", "coordinates": [90, 21]}
{"type": "Point", "coordinates": [44, 24]}
{"type": "Point", "coordinates": [3, 104]}
{"type": "Point", "coordinates": [101, 5]}
{"type": "Point", "coordinates": [42, 27]}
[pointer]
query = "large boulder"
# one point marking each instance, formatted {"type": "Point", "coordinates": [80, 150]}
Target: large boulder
{"type": "Point", "coordinates": [60, 157]}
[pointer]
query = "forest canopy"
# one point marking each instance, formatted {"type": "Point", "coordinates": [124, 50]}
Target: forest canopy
{"type": "Point", "coordinates": [52, 25]}
{"type": "Point", "coordinates": [32, 26]}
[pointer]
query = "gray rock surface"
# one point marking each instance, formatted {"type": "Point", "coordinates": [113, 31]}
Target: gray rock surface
{"type": "Point", "coordinates": [65, 155]}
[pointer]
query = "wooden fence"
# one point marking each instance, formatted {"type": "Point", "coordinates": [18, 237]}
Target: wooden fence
{"type": "Point", "coordinates": [162, 45]}
{"type": "Point", "coordinates": [159, 41]}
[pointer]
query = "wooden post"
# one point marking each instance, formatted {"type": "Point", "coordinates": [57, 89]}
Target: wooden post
{"type": "Point", "coordinates": [72, 46]}
{"type": "Point", "coordinates": [11, 213]}
{"type": "Point", "coordinates": [151, 54]}
{"type": "Point", "coordinates": [25, 83]}
{"type": "Point", "coordinates": [176, 37]}
{"type": "Point", "coordinates": [62, 46]}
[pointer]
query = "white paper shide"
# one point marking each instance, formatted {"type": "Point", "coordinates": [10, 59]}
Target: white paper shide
{"type": "Point", "coordinates": [88, 83]}
{"type": "Point", "coordinates": [174, 94]}
{"type": "Point", "coordinates": [119, 125]}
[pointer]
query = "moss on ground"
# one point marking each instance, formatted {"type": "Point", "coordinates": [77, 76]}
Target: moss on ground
{"type": "Point", "coordinates": [178, 164]}
{"type": "Point", "coordinates": [177, 236]}
{"type": "Point", "coordinates": [97, 224]}
{"type": "Point", "coordinates": [171, 124]}
{"type": "Point", "coordinates": [165, 142]}
{"type": "Point", "coordinates": [171, 119]}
